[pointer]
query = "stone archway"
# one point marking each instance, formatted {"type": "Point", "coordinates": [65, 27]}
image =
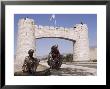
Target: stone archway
{"type": "Point", "coordinates": [60, 47]}
{"type": "Point", "coordinates": [28, 32]}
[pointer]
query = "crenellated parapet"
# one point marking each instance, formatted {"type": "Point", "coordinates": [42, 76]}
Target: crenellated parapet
{"type": "Point", "coordinates": [75, 27]}
{"type": "Point", "coordinates": [25, 22]}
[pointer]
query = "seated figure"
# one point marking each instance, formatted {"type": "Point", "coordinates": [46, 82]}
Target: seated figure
{"type": "Point", "coordinates": [54, 59]}
{"type": "Point", "coordinates": [30, 63]}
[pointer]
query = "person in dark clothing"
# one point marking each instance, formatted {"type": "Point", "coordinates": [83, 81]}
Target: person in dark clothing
{"type": "Point", "coordinates": [30, 63]}
{"type": "Point", "coordinates": [54, 60]}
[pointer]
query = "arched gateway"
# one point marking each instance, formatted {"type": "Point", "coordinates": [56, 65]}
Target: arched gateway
{"type": "Point", "coordinates": [28, 32]}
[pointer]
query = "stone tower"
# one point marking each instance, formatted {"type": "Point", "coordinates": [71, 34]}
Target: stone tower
{"type": "Point", "coordinates": [81, 45]}
{"type": "Point", "coordinates": [25, 39]}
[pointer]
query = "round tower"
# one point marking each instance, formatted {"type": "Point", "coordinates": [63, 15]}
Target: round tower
{"type": "Point", "coordinates": [25, 40]}
{"type": "Point", "coordinates": [81, 46]}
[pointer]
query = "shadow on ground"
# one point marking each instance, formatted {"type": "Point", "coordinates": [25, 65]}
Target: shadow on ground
{"type": "Point", "coordinates": [37, 73]}
{"type": "Point", "coordinates": [65, 70]}
{"type": "Point", "coordinates": [71, 72]}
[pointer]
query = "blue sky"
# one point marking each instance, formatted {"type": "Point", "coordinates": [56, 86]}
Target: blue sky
{"type": "Point", "coordinates": [65, 20]}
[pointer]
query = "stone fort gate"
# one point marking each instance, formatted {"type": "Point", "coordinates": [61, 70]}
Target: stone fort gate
{"type": "Point", "coordinates": [28, 32]}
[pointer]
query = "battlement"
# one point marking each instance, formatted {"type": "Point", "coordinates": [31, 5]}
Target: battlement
{"type": "Point", "coordinates": [28, 21]}
{"type": "Point", "coordinates": [76, 27]}
{"type": "Point", "coordinates": [25, 21]}
{"type": "Point", "coordinates": [79, 26]}
{"type": "Point", "coordinates": [50, 27]}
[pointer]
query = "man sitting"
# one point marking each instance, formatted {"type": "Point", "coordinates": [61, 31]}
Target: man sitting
{"type": "Point", "coordinates": [30, 63]}
{"type": "Point", "coordinates": [54, 60]}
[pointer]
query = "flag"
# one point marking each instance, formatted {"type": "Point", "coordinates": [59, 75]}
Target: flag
{"type": "Point", "coordinates": [52, 17]}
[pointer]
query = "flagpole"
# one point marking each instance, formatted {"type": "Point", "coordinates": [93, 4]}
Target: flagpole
{"type": "Point", "coordinates": [54, 20]}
